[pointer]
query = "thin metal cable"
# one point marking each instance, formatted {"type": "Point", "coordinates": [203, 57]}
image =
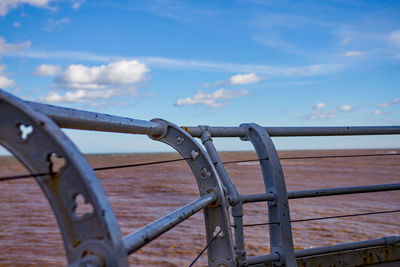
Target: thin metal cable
{"type": "Point", "coordinates": [204, 249]}
{"type": "Point", "coordinates": [23, 176]}
{"type": "Point", "coordinates": [325, 218]}
{"type": "Point", "coordinates": [138, 164]}
{"type": "Point", "coordinates": [317, 157]}
{"type": "Point", "coordinates": [16, 177]}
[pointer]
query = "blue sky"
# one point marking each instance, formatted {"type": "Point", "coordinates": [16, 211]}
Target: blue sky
{"type": "Point", "coordinates": [275, 63]}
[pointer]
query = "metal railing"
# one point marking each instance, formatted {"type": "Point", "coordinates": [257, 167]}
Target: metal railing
{"type": "Point", "coordinates": [94, 238]}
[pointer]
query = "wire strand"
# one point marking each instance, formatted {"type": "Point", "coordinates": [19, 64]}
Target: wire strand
{"type": "Point", "coordinates": [317, 157]}
{"type": "Point", "coordinates": [204, 249]}
{"type": "Point", "coordinates": [325, 218]}
{"type": "Point", "coordinates": [138, 164]}
{"type": "Point", "coordinates": [24, 176]}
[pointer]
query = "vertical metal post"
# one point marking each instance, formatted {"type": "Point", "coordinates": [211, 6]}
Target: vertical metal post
{"type": "Point", "coordinates": [232, 194]}
{"type": "Point", "coordinates": [281, 241]}
{"type": "Point", "coordinates": [216, 217]}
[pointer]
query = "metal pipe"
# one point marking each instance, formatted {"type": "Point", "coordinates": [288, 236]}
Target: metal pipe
{"type": "Point", "coordinates": [232, 192]}
{"type": "Point", "coordinates": [93, 121]}
{"type": "Point", "coordinates": [298, 131]}
{"type": "Point", "coordinates": [390, 240]}
{"type": "Point", "coordinates": [343, 191]}
{"type": "Point", "coordinates": [323, 192]}
{"type": "Point", "coordinates": [85, 120]}
{"type": "Point", "coordinates": [257, 198]}
{"type": "Point", "coordinates": [138, 239]}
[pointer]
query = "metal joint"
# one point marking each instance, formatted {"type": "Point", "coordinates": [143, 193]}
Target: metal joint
{"type": "Point", "coordinates": [278, 210]}
{"type": "Point", "coordinates": [216, 216]}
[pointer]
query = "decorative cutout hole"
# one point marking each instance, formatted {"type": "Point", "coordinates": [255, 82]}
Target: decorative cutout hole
{"type": "Point", "coordinates": [25, 131]}
{"type": "Point", "coordinates": [56, 162]}
{"type": "Point", "coordinates": [82, 206]}
{"type": "Point", "coordinates": [194, 154]}
{"type": "Point", "coordinates": [205, 173]}
{"type": "Point", "coordinates": [218, 231]}
{"type": "Point", "coordinates": [180, 140]}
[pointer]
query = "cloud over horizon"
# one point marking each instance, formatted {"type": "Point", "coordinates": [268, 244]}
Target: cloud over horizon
{"type": "Point", "coordinates": [5, 82]}
{"type": "Point", "coordinates": [13, 48]}
{"type": "Point", "coordinates": [83, 83]}
{"type": "Point", "coordinates": [241, 79]}
{"type": "Point", "coordinates": [7, 5]}
{"type": "Point", "coordinates": [47, 70]}
{"type": "Point", "coordinates": [211, 100]}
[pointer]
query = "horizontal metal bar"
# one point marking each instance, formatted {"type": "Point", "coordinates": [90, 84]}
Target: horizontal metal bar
{"type": "Point", "coordinates": [323, 192]}
{"type": "Point", "coordinates": [138, 239]}
{"type": "Point", "coordinates": [343, 190]}
{"type": "Point", "coordinates": [390, 240]}
{"type": "Point", "coordinates": [298, 131]}
{"type": "Point", "coordinates": [257, 198]}
{"type": "Point", "coordinates": [85, 120]}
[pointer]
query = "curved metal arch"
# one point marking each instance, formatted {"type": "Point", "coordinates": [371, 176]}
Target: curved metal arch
{"type": "Point", "coordinates": [89, 238]}
{"type": "Point", "coordinates": [220, 251]}
{"type": "Point", "coordinates": [281, 240]}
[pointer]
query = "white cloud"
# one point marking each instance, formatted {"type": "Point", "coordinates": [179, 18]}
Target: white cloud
{"type": "Point", "coordinates": [388, 104]}
{"type": "Point", "coordinates": [346, 108]}
{"type": "Point", "coordinates": [5, 82]}
{"type": "Point", "coordinates": [47, 70]}
{"type": "Point", "coordinates": [319, 105]}
{"type": "Point", "coordinates": [394, 37]}
{"type": "Point", "coordinates": [185, 64]}
{"type": "Point", "coordinates": [77, 3]}
{"type": "Point", "coordinates": [56, 25]}
{"type": "Point", "coordinates": [244, 79]}
{"type": "Point", "coordinates": [212, 100]}
{"type": "Point", "coordinates": [383, 105]}
{"type": "Point", "coordinates": [17, 24]}
{"type": "Point", "coordinates": [353, 54]}
{"type": "Point", "coordinates": [322, 114]}
{"type": "Point", "coordinates": [77, 96]}
{"type": "Point", "coordinates": [13, 48]}
{"type": "Point", "coordinates": [93, 84]}
{"type": "Point", "coordinates": [7, 5]}
{"type": "Point", "coordinates": [122, 72]}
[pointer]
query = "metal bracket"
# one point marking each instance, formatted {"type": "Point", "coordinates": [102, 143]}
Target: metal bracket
{"type": "Point", "coordinates": [220, 251]}
{"type": "Point", "coordinates": [280, 234]}
{"type": "Point", "coordinates": [90, 235]}
{"type": "Point", "coordinates": [233, 196]}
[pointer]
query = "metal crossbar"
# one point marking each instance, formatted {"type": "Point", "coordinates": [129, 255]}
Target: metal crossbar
{"type": "Point", "coordinates": [94, 238]}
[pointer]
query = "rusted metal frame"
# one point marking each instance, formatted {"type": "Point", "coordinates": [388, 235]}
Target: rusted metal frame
{"type": "Point", "coordinates": [216, 215]}
{"type": "Point", "coordinates": [281, 241]}
{"type": "Point", "coordinates": [138, 239]}
{"type": "Point", "coordinates": [298, 131]}
{"type": "Point", "coordinates": [92, 233]}
{"type": "Point", "coordinates": [384, 241]}
{"type": "Point", "coordinates": [323, 192]}
{"type": "Point", "coordinates": [232, 193]}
